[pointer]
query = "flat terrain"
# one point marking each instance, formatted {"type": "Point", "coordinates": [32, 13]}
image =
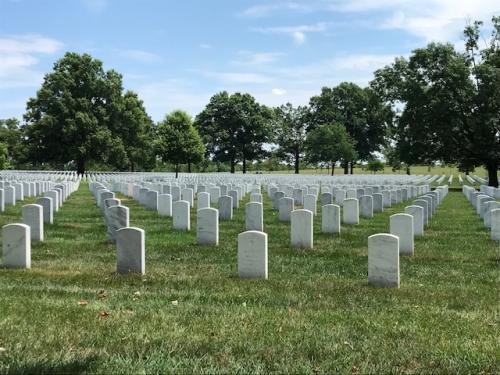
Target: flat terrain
{"type": "Point", "coordinates": [316, 313]}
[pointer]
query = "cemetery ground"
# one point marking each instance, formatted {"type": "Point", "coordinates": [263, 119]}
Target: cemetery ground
{"type": "Point", "coordinates": [191, 313]}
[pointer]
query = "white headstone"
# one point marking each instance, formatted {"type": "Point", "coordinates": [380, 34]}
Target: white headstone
{"type": "Point", "coordinates": [33, 217]}
{"type": "Point", "coordinates": [117, 218]}
{"type": "Point", "coordinates": [254, 217]}
{"type": "Point", "coordinates": [165, 205]}
{"type": "Point", "coordinates": [401, 225]}
{"type": "Point", "coordinates": [418, 219]}
{"type": "Point", "coordinates": [225, 207]}
{"type": "Point", "coordinates": [301, 229]}
{"type": "Point", "coordinates": [285, 205]}
{"type": "Point", "coordinates": [207, 226]}
{"type": "Point", "coordinates": [130, 244]}
{"type": "Point", "coordinates": [383, 260]}
{"type": "Point", "coordinates": [252, 254]}
{"type": "Point", "coordinates": [48, 210]}
{"type": "Point", "coordinates": [16, 246]}
{"type": "Point", "coordinates": [351, 211]}
{"type": "Point", "coordinates": [366, 206]}
{"type": "Point", "coordinates": [495, 224]}
{"type": "Point", "coordinates": [330, 218]}
{"type": "Point", "coordinates": [181, 215]}
{"type": "Point", "coordinates": [310, 203]}
{"type": "Point", "coordinates": [203, 200]}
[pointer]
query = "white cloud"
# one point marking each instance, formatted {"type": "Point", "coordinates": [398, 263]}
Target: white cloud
{"type": "Point", "coordinates": [96, 6]}
{"type": "Point", "coordinates": [237, 77]}
{"type": "Point", "coordinates": [139, 55]}
{"type": "Point", "coordinates": [266, 10]}
{"type": "Point", "coordinates": [298, 33]}
{"type": "Point", "coordinates": [258, 58]}
{"type": "Point", "coordinates": [278, 92]}
{"type": "Point", "coordinates": [19, 56]}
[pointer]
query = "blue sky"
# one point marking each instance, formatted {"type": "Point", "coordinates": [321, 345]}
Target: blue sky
{"type": "Point", "coordinates": [177, 54]}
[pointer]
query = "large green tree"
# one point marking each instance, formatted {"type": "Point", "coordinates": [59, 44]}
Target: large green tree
{"type": "Point", "coordinates": [365, 116]}
{"type": "Point", "coordinates": [177, 140]}
{"type": "Point", "coordinates": [330, 143]}
{"type": "Point", "coordinates": [450, 103]}
{"type": "Point", "coordinates": [12, 137]}
{"type": "Point", "coordinates": [290, 133]}
{"type": "Point", "coordinates": [80, 115]}
{"type": "Point", "coordinates": [234, 128]}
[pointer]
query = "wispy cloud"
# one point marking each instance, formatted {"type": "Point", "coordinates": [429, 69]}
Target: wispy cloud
{"type": "Point", "coordinates": [19, 56]}
{"type": "Point", "coordinates": [237, 77]}
{"type": "Point", "coordinates": [205, 46]}
{"type": "Point", "coordinates": [298, 33]}
{"type": "Point", "coordinates": [257, 58]}
{"type": "Point", "coordinates": [266, 10]}
{"type": "Point", "coordinates": [139, 55]}
{"type": "Point", "coordinates": [96, 6]}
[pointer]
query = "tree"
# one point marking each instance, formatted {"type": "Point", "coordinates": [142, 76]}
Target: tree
{"type": "Point", "coordinates": [234, 128]}
{"type": "Point", "coordinates": [79, 115]}
{"type": "Point", "coordinates": [177, 141]}
{"type": "Point", "coordinates": [329, 144]}
{"type": "Point", "coordinates": [131, 123]}
{"type": "Point", "coordinates": [12, 138]}
{"type": "Point", "coordinates": [365, 117]}
{"type": "Point", "coordinates": [291, 126]}
{"type": "Point", "coordinates": [375, 166]}
{"type": "Point", "coordinates": [4, 163]}
{"type": "Point", "coordinates": [451, 103]}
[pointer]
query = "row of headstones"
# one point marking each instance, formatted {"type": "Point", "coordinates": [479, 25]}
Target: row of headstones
{"type": "Point", "coordinates": [17, 237]}
{"type": "Point", "coordinates": [384, 249]}
{"type": "Point", "coordinates": [490, 190]}
{"type": "Point", "coordinates": [487, 208]}
{"type": "Point", "coordinates": [14, 191]}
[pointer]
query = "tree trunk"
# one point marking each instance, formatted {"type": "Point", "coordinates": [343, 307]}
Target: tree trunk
{"type": "Point", "coordinates": [189, 167]}
{"type": "Point", "coordinates": [408, 171]}
{"type": "Point", "coordinates": [244, 165]}
{"type": "Point", "coordinates": [333, 168]}
{"type": "Point", "coordinates": [345, 164]}
{"type": "Point", "coordinates": [492, 168]}
{"type": "Point", "coordinates": [80, 167]}
{"type": "Point", "coordinates": [232, 165]}
{"type": "Point", "coordinates": [176, 170]}
{"type": "Point", "coordinates": [352, 167]}
{"type": "Point", "coordinates": [297, 162]}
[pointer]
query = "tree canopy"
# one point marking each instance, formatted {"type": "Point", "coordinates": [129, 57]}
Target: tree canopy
{"type": "Point", "coordinates": [80, 114]}
{"type": "Point", "coordinates": [177, 141]}
{"type": "Point", "coordinates": [365, 117]}
{"type": "Point", "coordinates": [330, 143]}
{"type": "Point", "coordinates": [290, 132]}
{"type": "Point", "coordinates": [451, 103]}
{"type": "Point", "coordinates": [234, 128]}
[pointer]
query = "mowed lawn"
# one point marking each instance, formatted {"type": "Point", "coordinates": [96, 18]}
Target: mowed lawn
{"type": "Point", "coordinates": [72, 313]}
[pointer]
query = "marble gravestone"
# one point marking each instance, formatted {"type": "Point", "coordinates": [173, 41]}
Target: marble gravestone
{"type": "Point", "coordinates": [48, 211]}
{"type": "Point", "coordinates": [16, 246]}
{"type": "Point", "coordinates": [285, 205]}
{"type": "Point", "coordinates": [310, 203]}
{"type": "Point", "coordinates": [203, 200]}
{"type": "Point", "coordinates": [418, 219]}
{"type": "Point", "coordinates": [226, 207]}
{"type": "Point", "coordinates": [254, 217]}
{"type": "Point", "coordinates": [351, 211]}
{"type": "Point", "coordinates": [252, 255]}
{"type": "Point", "coordinates": [401, 225]}
{"type": "Point", "coordinates": [33, 217]}
{"type": "Point", "coordinates": [366, 206]}
{"type": "Point", "coordinates": [181, 215]}
{"type": "Point", "coordinates": [383, 260]}
{"type": "Point", "coordinates": [130, 244]}
{"type": "Point", "coordinates": [165, 205]}
{"type": "Point", "coordinates": [301, 229]}
{"type": "Point", "coordinates": [117, 218]}
{"type": "Point", "coordinates": [207, 226]}
{"type": "Point", "coordinates": [330, 218]}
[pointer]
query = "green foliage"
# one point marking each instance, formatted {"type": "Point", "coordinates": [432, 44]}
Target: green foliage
{"type": "Point", "coordinates": [375, 166]}
{"type": "Point", "coordinates": [290, 133]}
{"type": "Point", "coordinates": [12, 137]}
{"type": "Point", "coordinates": [177, 140]}
{"type": "Point", "coordinates": [4, 162]}
{"type": "Point", "coordinates": [80, 115]}
{"type": "Point", "coordinates": [330, 143]}
{"type": "Point", "coordinates": [451, 102]}
{"type": "Point", "coordinates": [234, 128]}
{"type": "Point", "coordinates": [365, 117]}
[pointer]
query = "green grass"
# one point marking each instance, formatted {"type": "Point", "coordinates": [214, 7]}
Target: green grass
{"type": "Point", "coordinates": [316, 313]}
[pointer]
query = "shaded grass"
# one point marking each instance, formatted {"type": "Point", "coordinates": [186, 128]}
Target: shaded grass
{"type": "Point", "coordinates": [316, 313]}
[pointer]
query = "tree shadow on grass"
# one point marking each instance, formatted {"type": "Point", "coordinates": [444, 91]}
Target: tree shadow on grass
{"type": "Point", "coordinates": [76, 366]}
